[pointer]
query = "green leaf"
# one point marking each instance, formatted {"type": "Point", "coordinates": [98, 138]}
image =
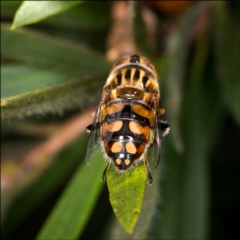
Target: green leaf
{"type": "Point", "coordinates": [30, 90]}
{"type": "Point", "coordinates": [51, 99]}
{"type": "Point", "coordinates": [54, 176]}
{"type": "Point", "coordinates": [34, 11]}
{"type": "Point", "coordinates": [185, 213]}
{"type": "Point", "coordinates": [90, 16]}
{"type": "Point", "coordinates": [126, 193]}
{"type": "Point", "coordinates": [17, 79]}
{"type": "Point", "coordinates": [175, 74]}
{"type": "Point", "coordinates": [226, 48]}
{"type": "Point", "coordinates": [147, 215]}
{"type": "Point", "coordinates": [69, 216]}
{"type": "Point", "coordinates": [43, 51]}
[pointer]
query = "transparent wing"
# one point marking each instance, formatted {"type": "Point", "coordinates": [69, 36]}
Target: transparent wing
{"type": "Point", "coordinates": [93, 147]}
{"type": "Point", "coordinates": [154, 150]}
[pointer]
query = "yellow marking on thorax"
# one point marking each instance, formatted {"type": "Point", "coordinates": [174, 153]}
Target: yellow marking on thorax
{"type": "Point", "coordinates": [142, 74]}
{"type": "Point", "coordinates": [152, 84]}
{"type": "Point", "coordinates": [124, 80]}
{"type": "Point", "coordinates": [130, 147]}
{"type": "Point", "coordinates": [148, 83]}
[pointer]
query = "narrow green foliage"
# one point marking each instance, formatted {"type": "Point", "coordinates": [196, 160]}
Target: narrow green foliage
{"type": "Point", "coordinates": [178, 51]}
{"type": "Point", "coordinates": [41, 50]}
{"type": "Point", "coordinates": [34, 11]}
{"type": "Point", "coordinates": [186, 208]}
{"type": "Point", "coordinates": [226, 34]}
{"type": "Point", "coordinates": [56, 174]}
{"type": "Point", "coordinates": [126, 193]}
{"type": "Point", "coordinates": [60, 64]}
{"type": "Point", "coordinates": [50, 99]}
{"type": "Point", "coordinates": [147, 216]}
{"type": "Point", "coordinates": [52, 85]}
{"type": "Point", "coordinates": [69, 216]}
{"type": "Point", "coordinates": [20, 78]}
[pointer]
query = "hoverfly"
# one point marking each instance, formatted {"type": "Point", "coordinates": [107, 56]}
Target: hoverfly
{"type": "Point", "coordinates": [126, 124]}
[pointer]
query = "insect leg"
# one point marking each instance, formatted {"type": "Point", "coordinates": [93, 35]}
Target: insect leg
{"type": "Point", "coordinates": [149, 175]}
{"type": "Point", "coordinates": [162, 126]}
{"type": "Point", "coordinates": [165, 127]}
{"type": "Point", "coordinates": [104, 172]}
{"type": "Point", "coordinates": [161, 111]}
{"type": "Point", "coordinates": [92, 127]}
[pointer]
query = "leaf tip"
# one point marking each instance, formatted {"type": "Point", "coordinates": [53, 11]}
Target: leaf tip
{"type": "Point", "coordinates": [128, 230]}
{"type": "Point", "coordinates": [13, 26]}
{"type": "Point", "coordinates": [3, 102]}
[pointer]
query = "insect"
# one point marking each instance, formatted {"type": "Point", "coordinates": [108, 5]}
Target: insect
{"type": "Point", "coordinates": [126, 124]}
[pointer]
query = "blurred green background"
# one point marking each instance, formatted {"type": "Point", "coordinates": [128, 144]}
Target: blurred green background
{"type": "Point", "coordinates": [53, 71]}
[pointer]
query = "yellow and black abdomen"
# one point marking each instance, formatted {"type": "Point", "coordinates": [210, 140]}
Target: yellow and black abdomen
{"type": "Point", "coordinates": [126, 132]}
{"type": "Point", "coordinates": [126, 123]}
